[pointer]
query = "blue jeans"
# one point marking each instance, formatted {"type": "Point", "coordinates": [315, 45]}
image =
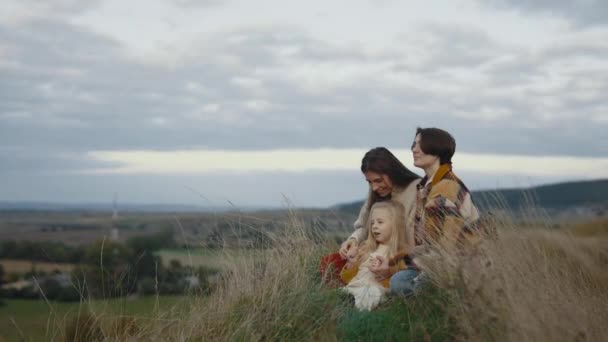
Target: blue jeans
{"type": "Point", "coordinates": [406, 283]}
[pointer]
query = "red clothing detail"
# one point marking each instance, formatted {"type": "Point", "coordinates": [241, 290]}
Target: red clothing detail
{"type": "Point", "coordinates": [330, 268]}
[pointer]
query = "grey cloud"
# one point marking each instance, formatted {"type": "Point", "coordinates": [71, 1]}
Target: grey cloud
{"type": "Point", "coordinates": [588, 49]}
{"type": "Point", "coordinates": [513, 70]}
{"type": "Point", "coordinates": [65, 91]}
{"type": "Point", "coordinates": [570, 76]}
{"type": "Point", "coordinates": [55, 8]}
{"type": "Point", "coordinates": [199, 3]}
{"type": "Point", "coordinates": [580, 12]}
{"type": "Point", "coordinates": [73, 89]}
{"type": "Point", "coordinates": [458, 46]}
{"type": "Point", "coordinates": [67, 6]}
{"type": "Point", "coordinates": [382, 2]}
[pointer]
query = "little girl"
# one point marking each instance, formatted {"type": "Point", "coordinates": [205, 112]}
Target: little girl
{"type": "Point", "coordinates": [385, 237]}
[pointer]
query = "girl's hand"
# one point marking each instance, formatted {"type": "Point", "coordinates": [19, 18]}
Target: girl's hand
{"type": "Point", "coordinates": [346, 245]}
{"type": "Point", "coordinates": [373, 262]}
{"type": "Point", "coordinates": [379, 267]}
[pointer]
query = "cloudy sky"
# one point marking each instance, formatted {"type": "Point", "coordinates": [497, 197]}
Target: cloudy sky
{"type": "Point", "coordinates": [209, 101]}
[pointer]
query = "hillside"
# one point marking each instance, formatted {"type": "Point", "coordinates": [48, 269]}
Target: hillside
{"type": "Point", "coordinates": [551, 196]}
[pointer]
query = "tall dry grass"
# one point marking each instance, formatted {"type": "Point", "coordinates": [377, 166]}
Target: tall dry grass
{"type": "Point", "coordinates": [527, 284]}
{"type": "Point", "coordinates": [519, 284]}
{"type": "Point", "coordinates": [277, 296]}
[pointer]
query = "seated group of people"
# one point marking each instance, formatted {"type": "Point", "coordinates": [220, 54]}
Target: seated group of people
{"type": "Point", "coordinates": [404, 217]}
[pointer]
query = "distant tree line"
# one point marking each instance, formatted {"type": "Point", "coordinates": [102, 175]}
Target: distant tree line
{"type": "Point", "coordinates": [48, 251]}
{"type": "Point", "coordinates": [107, 269]}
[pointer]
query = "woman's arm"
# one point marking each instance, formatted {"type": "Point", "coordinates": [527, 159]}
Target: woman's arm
{"type": "Point", "coordinates": [358, 235]}
{"type": "Point", "coordinates": [409, 200]}
{"type": "Point", "coordinates": [447, 211]}
{"type": "Point", "coordinates": [360, 232]}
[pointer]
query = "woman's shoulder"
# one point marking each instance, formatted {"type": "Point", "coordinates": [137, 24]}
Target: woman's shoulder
{"type": "Point", "coordinates": [414, 184]}
{"type": "Point", "coordinates": [408, 190]}
{"type": "Point", "coordinates": [448, 188]}
{"type": "Point", "coordinates": [407, 195]}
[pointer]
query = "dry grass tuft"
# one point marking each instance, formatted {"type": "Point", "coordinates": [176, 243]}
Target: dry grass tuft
{"type": "Point", "coordinates": [273, 297]}
{"type": "Point", "coordinates": [528, 285]}
{"type": "Point", "coordinates": [84, 327]}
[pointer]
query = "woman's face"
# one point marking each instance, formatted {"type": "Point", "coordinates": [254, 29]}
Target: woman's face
{"type": "Point", "coordinates": [380, 183]}
{"type": "Point", "coordinates": [421, 159]}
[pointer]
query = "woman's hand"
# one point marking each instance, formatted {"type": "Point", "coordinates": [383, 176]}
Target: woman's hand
{"type": "Point", "coordinates": [346, 245]}
{"type": "Point", "coordinates": [379, 267]}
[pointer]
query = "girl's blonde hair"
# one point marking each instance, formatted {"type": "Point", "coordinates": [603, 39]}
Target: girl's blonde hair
{"type": "Point", "coordinates": [397, 243]}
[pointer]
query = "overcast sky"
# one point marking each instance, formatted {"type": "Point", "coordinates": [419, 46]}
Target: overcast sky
{"type": "Point", "coordinates": [209, 101]}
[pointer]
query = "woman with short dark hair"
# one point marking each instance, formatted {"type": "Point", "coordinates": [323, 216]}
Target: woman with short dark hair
{"type": "Point", "coordinates": [445, 213]}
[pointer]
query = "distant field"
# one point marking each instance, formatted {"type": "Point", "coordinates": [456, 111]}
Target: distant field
{"type": "Point", "coordinates": [82, 228]}
{"type": "Point", "coordinates": [595, 227]}
{"type": "Point", "coordinates": [24, 266]}
{"type": "Point", "coordinates": [76, 228]}
{"type": "Point", "coordinates": [211, 258]}
{"type": "Point", "coordinates": [29, 318]}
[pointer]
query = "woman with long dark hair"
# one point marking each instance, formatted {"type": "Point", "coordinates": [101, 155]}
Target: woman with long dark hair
{"type": "Point", "coordinates": [388, 179]}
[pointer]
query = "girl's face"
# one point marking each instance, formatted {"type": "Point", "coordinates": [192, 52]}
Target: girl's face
{"type": "Point", "coordinates": [421, 159]}
{"type": "Point", "coordinates": [381, 225]}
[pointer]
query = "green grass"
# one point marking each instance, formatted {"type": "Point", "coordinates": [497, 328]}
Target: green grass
{"type": "Point", "coordinates": [32, 319]}
{"type": "Point", "coordinates": [421, 318]}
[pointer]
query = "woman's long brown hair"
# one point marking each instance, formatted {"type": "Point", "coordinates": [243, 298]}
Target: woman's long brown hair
{"type": "Point", "coordinates": [382, 161]}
